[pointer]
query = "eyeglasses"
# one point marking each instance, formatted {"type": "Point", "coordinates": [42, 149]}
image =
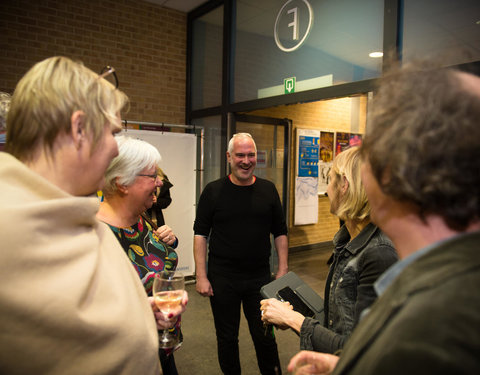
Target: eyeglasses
{"type": "Point", "coordinates": [152, 176]}
{"type": "Point", "coordinates": [106, 71]}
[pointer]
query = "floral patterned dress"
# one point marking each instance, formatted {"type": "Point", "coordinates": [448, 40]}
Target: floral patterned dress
{"type": "Point", "coordinates": [148, 255]}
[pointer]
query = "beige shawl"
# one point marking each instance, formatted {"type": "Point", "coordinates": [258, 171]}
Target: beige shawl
{"type": "Point", "coordinates": [70, 300]}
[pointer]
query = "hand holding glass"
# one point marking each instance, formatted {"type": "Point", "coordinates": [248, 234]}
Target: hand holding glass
{"type": "Point", "coordinates": [168, 287]}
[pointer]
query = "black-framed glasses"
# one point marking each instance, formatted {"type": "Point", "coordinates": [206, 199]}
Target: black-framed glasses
{"type": "Point", "coordinates": [152, 176]}
{"type": "Point", "coordinates": [106, 71]}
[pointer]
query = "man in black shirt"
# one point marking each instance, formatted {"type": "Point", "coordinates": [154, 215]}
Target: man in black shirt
{"type": "Point", "coordinates": [237, 213]}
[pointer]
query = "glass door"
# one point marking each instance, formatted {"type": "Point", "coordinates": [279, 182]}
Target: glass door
{"type": "Point", "coordinates": [271, 136]}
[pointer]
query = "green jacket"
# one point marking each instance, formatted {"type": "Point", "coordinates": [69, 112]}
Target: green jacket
{"type": "Point", "coordinates": [427, 321]}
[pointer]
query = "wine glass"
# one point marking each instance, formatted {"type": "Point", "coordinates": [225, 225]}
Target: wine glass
{"type": "Point", "coordinates": [168, 287]}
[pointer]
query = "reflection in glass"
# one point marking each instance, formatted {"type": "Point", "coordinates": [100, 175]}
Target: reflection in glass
{"type": "Point", "coordinates": [269, 140]}
{"type": "Point", "coordinates": [441, 28]}
{"type": "Point", "coordinates": [207, 60]}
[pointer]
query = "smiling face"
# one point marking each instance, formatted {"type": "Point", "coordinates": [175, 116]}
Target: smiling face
{"type": "Point", "coordinates": [143, 189]}
{"type": "Point", "coordinates": [242, 160]}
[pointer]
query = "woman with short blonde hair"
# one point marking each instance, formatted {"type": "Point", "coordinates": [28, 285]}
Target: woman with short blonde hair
{"type": "Point", "coordinates": [71, 301]}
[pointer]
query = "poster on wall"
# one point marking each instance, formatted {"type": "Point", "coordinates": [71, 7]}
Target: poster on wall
{"type": "Point", "coordinates": [355, 140]}
{"type": "Point", "coordinates": [326, 160]}
{"type": "Point", "coordinates": [347, 140]}
{"type": "Point", "coordinates": [306, 181]}
{"type": "Point", "coordinates": [306, 200]}
{"type": "Point", "coordinates": [342, 143]}
{"type": "Point", "coordinates": [308, 147]}
{"type": "Point", "coordinates": [261, 159]}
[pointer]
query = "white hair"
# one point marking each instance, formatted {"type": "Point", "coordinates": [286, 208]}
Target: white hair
{"type": "Point", "coordinates": [134, 155]}
{"type": "Point", "coordinates": [238, 136]}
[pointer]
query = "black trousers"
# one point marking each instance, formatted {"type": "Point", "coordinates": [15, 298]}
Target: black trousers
{"type": "Point", "coordinates": [229, 294]}
{"type": "Point", "coordinates": [168, 363]}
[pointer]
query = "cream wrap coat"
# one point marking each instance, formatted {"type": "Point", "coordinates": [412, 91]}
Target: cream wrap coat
{"type": "Point", "coordinates": [70, 300]}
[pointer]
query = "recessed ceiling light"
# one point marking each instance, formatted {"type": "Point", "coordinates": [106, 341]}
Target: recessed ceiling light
{"type": "Point", "coordinates": [375, 54]}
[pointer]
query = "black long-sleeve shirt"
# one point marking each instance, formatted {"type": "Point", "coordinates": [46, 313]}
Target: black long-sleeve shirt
{"type": "Point", "coordinates": [239, 220]}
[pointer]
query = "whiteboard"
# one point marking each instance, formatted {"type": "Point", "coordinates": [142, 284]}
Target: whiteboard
{"type": "Point", "coordinates": [179, 152]}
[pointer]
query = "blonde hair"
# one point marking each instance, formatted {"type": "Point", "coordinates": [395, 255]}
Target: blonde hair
{"type": "Point", "coordinates": [354, 203]}
{"type": "Point", "coordinates": [47, 96]}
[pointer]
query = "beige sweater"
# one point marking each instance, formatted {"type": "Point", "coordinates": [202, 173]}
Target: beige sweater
{"type": "Point", "coordinates": [70, 300]}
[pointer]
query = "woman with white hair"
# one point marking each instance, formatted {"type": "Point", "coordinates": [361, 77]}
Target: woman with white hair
{"type": "Point", "coordinates": [131, 181]}
{"type": "Point", "coordinates": [361, 254]}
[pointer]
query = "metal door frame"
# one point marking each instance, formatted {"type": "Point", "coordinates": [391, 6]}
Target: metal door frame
{"type": "Point", "coordinates": [287, 126]}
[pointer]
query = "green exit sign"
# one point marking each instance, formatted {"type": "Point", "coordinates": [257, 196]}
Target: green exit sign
{"type": "Point", "coordinates": [289, 85]}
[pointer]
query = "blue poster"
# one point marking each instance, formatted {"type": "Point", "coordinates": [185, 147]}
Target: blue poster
{"type": "Point", "coordinates": [308, 148]}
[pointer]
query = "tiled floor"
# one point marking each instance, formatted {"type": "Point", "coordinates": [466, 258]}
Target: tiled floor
{"type": "Point", "coordinates": [198, 354]}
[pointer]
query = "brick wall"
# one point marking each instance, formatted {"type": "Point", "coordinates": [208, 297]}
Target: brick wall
{"type": "Point", "coordinates": [333, 115]}
{"type": "Point", "coordinates": [147, 46]}
{"type": "Point", "coordinates": [145, 43]}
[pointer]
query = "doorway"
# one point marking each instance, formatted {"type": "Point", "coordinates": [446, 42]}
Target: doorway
{"type": "Point", "coordinates": [272, 137]}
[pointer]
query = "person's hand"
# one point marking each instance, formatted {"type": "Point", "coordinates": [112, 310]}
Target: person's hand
{"type": "Point", "coordinates": [163, 321]}
{"type": "Point", "coordinates": [307, 362]}
{"type": "Point", "coordinates": [166, 235]}
{"type": "Point", "coordinates": [204, 287]}
{"type": "Point", "coordinates": [278, 313]}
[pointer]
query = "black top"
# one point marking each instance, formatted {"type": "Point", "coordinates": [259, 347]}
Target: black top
{"type": "Point", "coordinates": [163, 201]}
{"type": "Point", "coordinates": [239, 220]}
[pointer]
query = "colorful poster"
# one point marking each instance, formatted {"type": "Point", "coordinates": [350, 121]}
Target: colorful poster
{"type": "Point", "coordinates": [355, 140]}
{"type": "Point", "coordinates": [306, 181]}
{"type": "Point", "coordinates": [326, 160]}
{"type": "Point", "coordinates": [326, 146]}
{"type": "Point", "coordinates": [343, 142]}
{"type": "Point", "coordinates": [308, 147]}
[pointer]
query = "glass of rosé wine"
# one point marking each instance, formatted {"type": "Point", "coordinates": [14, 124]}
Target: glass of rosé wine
{"type": "Point", "coordinates": [168, 287]}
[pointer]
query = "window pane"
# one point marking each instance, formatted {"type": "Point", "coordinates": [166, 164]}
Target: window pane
{"type": "Point", "coordinates": [269, 140]}
{"type": "Point", "coordinates": [442, 28]}
{"type": "Point", "coordinates": [207, 60]}
{"type": "Point", "coordinates": [335, 51]}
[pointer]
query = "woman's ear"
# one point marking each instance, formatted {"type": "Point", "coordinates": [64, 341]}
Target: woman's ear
{"type": "Point", "coordinates": [120, 187]}
{"type": "Point", "coordinates": [345, 184]}
{"type": "Point", "coordinates": [77, 124]}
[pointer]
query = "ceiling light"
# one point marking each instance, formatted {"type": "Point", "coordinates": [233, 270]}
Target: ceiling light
{"type": "Point", "coordinates": [375, 54]}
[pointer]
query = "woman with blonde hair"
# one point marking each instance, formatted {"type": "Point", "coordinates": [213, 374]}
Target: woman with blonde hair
{"type": "Point", "coordinates": [361, 254]}
{"type": "Point", "coordinates": [71, 301]}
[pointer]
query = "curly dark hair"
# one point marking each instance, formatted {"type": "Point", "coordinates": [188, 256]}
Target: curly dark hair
{"type": "Point", "coordinates": [423, 142]}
